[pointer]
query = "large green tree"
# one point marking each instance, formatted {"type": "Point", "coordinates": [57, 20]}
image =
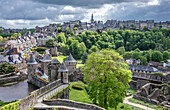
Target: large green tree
{"type": "Point", "coordinates": [157, 56]}
{"type": "Point", "coordinates": [50, 43]}
{"type": "Point", "coordinates": [107, 78]}
{"type": "Point", "coordinates": [166, 55]}
{"type": "Point", "coordinates": [61, 38]}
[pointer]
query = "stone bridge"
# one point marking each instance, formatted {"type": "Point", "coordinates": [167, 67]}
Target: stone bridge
{"type": "Point", "coordinates": [36, 98]}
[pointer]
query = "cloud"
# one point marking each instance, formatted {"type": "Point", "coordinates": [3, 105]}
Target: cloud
{"type": "Point", "coordinates": [30, 13]}
{"type": "Point", "coordinates": [86, 3]}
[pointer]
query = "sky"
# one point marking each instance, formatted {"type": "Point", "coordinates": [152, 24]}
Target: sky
{"type": "Point", "coordinates": [32, 13]}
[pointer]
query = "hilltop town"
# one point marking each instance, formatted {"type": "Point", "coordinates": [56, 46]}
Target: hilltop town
{"type": "Point", "coordinates": [56, 59]}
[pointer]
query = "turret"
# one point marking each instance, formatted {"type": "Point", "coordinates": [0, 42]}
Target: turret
{"type": "Point", "coordinates": [63, 73]}
{"type": "Point", "coordinates": [31, 67]}
{"type": "Point", "coordinates": [70, 64]}
{"type": "Point", "coordinates": [53, 70]}
{"type": "Point", "coordinates": [44, 63]}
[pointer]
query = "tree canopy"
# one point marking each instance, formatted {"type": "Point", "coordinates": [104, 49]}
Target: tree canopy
{"type": "Point", "coordinates": [107, 78]}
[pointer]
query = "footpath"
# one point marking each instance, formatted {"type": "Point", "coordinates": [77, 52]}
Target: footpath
{"type": "Point", "coordinates": [126, 101]}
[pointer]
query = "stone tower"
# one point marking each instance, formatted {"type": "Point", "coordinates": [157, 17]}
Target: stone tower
{"type": "Point", "coordinates": [92, 19]}
{"type": "Point", "coordinates": [44, 64]}
{"type": "Point", "coordinates": [63, 73]}
{"type": "Point", "coordinates": [53, 50]}
{"type": "Point", "coordinates": [70, 64]}
{"type": "Point", "coordinates": [53, 70]}
{"type": "Point", "coordinates": [31, 67]}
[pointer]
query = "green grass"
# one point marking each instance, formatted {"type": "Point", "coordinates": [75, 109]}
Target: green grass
{"type": "Point", "coordinates": [60, 58]}
{"type": "Point", "coordinates": [82, 96]}
{"type": "Point", "coordinates": [131, 91]}
{"type": "Point", "coordinates": [125, 107]}
{"type": "Point", "coordinates": [146, 104]}
{"type": "Point", "coordinates": [79, 65]}
{"type": "Point", "coordinates": [79, 95]}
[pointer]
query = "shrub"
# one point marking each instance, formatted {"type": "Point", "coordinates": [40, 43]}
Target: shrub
{"type": "Point", "coordinates": [78, 86]}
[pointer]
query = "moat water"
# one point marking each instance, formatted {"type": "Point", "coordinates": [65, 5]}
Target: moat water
{"type": "Point", "coordinates": [15, 92]}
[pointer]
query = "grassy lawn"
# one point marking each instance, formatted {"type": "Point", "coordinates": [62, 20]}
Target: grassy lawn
{"type": "Point", "coordinates": [131, 91]}
{"type": "Point", "coordinates": [60, 58]}
{"type": "Point", "coordinates": [79, 65]}
{"type": "Point", "coordinates": [122, 106]}
{"type": "Point", "coordinates": [79, 95]}
{"type": "Point", "coordinates": [82, 96]}
{"type": "Point", "coordinates": [146, 104]}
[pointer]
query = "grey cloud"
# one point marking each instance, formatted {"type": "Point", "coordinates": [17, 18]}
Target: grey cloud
{"type": "Point", "coordinates": [86, 3]}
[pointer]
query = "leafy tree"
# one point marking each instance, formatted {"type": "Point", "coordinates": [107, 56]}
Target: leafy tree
{"type": "Point", "coordinates": [69, 40]}
{"type": "Point", "coordinates": [157, 56]}
{"type": "Point", "coordinates": [50, 43]}
{"type": "Point", "coordinates": [3, 67]}
{"type": "Point", "coordinates": [10, 69]}
{"type": "Point", "coordinates": [128, 55]}
{"type": "Point", "coordinates": [77, 49]}
{"type": "Point", "coordinates": [84, 57]}
{"type": "Point", "coordinates": [143, 60]}
{"type": "Point", "coordinates": [61, 38]}
{"type": "Point", "coordinates": [145, 28]}
{"type": "Point", "coordinates": [166, 55]}
{"type": "Point", "coordinates": [1, 31]}
{"type": "Point", "coordinates": [121, 50]}
{"type": "Point", "coordinates": [59, 29]}
{"type": "Point", "coordinates": [93, 49]}
{"type": "Point", "coordinates": [1, 39]}
{"type": "Point", "coordinates": [136, 55]}
{"type": "Point", "coordinates": [107, 78]}
{"type": "Point", "coordinates": [66, 48]}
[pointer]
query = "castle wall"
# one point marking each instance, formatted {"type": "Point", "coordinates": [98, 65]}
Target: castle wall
{"type": "Point", "coordinates": [70, 103]}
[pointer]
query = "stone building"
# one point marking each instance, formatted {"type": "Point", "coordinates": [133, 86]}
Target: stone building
{"type": "Point", "coordinates": [70, 64]}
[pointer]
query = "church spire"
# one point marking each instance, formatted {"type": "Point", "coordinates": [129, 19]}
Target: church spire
{"type": "Point", "coordinates": [92, 19]}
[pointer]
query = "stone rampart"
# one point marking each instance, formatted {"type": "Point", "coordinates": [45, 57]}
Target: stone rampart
{"type": "Point", "coordinates": [28, 102]}
{"type": "Point", "coordinates": [13, 79]}
{"type": "Point", "coordinates": [70, 103]}
{"type": "Point", "coordinates": [38, 81]}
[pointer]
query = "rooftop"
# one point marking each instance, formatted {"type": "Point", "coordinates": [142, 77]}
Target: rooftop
{"type": "Point", "coordinates": [70, 59]}
{"type": "Point", "coordinates": [46, 59]}
{"type": "Point", "coordinates": [31, 60]}
{"type": "Point", "coordinates": [55, 60]}
{"type": "Point", "coordinates": [63, 68]}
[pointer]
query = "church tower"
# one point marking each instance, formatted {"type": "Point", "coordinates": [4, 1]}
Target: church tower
{"type": "Point", "coordinates": [92, 19]}
{"type": "Point", "coordinates": [31, 67]}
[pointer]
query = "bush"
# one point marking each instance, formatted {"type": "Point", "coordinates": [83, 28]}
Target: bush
{"type": "Point", "coordinates": [78, 86]}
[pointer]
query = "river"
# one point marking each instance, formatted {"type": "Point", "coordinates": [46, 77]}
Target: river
{"type": "Point", "coordinates": [16, 91]}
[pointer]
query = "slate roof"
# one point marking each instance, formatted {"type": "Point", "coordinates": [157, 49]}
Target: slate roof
{"type": "Point", "coordinates": [63, 68]}
{"type": "Point", "coordinates": [32, 60]}
{"type": "Point", "coordinates": [46, 59]}
{"type": "Point", "coordinates": [55, 60]}
{"type": "Point", "coordinates": [70, 59]}
{"type": "Point", "coordinates": [10, 51]}
{"type": "Point", "coordinates": [143, 68]}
